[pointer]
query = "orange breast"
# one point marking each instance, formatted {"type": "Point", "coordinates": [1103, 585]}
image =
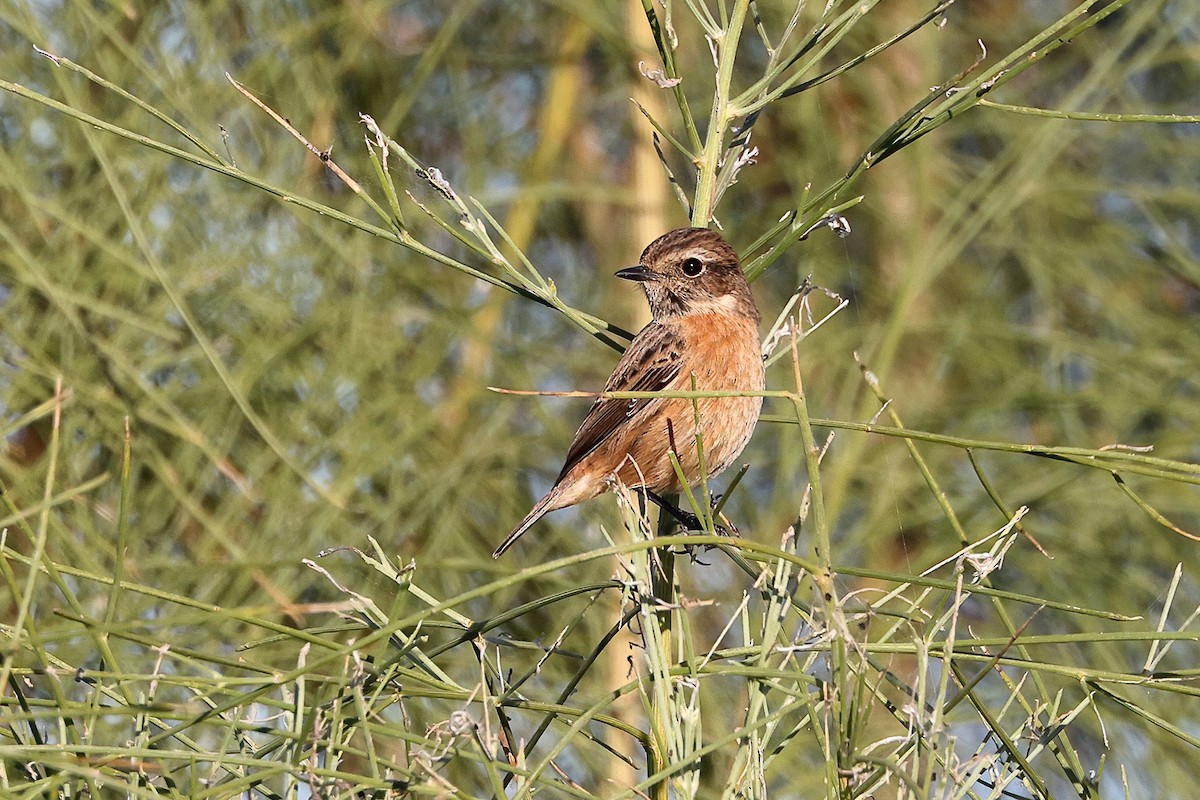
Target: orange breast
{"type": "Point", "coordinates": [722, 352]}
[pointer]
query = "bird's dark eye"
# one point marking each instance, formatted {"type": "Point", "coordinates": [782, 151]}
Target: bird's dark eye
{"type": "Point", "coordinates": [693, 267]}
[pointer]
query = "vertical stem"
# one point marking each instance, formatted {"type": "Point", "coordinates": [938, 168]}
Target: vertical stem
{"type": "Point", "coordinates": [663, 560]}
{"type": "Point", "coordinates": [839, 699]}
{"type": "Point", "coordinates": [664, 574]}
{"type": "Point", "coordinates": [662, 571]}
{"type": "Point", "coordinates": [667, 50]}
{"type": "Point", "coordinates": [714, 137]}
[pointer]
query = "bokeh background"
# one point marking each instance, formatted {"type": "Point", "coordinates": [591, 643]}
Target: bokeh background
{"type": "Point", "coordinates": [1010, 278]}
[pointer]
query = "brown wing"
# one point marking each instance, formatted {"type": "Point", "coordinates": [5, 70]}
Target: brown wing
{"type": "Point", "coordinates": [650, 364]}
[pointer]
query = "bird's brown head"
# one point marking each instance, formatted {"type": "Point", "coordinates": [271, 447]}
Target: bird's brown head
{"type": "Point", "coordinates": [690, 271]}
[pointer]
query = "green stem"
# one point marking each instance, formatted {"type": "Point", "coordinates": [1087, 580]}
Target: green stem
{"type": "Point", "coordinates": [662, 577]}
{"type": "Point", "coordinates": [714, 137]}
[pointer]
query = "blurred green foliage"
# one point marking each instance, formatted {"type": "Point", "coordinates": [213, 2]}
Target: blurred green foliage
{"type": "Point", "coordinates": [1011, 278]}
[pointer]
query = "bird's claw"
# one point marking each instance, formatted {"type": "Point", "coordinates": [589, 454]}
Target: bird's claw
{"type": "Point", "coordinates": [689, 522]}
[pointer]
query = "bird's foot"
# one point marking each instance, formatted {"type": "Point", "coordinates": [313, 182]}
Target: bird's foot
{"type": "Point", "coordinates": [724, 527]}
{"type": "Point", "coordinates": [689, 522]}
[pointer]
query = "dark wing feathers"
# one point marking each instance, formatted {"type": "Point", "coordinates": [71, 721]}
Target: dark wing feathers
{"type": "Point", "coordinates": [652, 361]}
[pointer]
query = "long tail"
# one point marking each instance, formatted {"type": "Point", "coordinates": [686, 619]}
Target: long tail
{"type": "Point", "coordinates": [533, 516]}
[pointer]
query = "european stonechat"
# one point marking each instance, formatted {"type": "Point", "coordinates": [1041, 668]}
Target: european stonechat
{"type": "Point", "coordinates": [704, 327]}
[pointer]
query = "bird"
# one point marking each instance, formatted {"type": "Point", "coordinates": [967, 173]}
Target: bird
{"type": "Point", "coordinates": [703, 328]}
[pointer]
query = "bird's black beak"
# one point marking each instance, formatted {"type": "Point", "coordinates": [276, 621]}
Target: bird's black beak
{"type": "Point", "coordinates": [638, 273]}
